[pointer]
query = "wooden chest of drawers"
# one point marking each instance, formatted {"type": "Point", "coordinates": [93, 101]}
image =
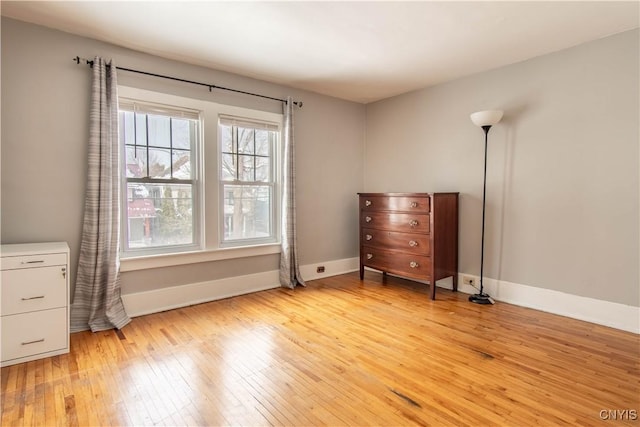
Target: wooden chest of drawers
{"type": "Point", "coordinates": [34, 301]}
{"type": "Point", "coordinates": [413, 235]}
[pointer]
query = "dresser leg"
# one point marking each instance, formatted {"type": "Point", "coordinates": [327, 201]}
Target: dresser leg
{"type": "Point", "coordinates": [361, 272]}
{"type": "Point", "coordinates": [455, 282]}
{"type": "Point", "coordinates": [384, 277]}
{"type": "Point", "coordinates": [433, 289]}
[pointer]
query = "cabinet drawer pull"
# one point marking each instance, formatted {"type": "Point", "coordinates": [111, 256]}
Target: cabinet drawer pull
{"type": "Point", "coordinates": [367, 202]}
{"type": "Point", "coordinates": [413, 243]}
{"type": "Point", "coordinates": [414, 204]}
{"type": "Point", "coordinates": [33, 342]}
{"type": "Point", "coordinates": [368, 237]}
{"type": "Point", "coordinates": [30, 298]}
{"type": "Point", "coordinates": [38, 261]}
{"type": "Point", "coordinates": [413, 264]}
{"type": "Point", "coordinates": [413, 223]}
{"type": "Point", "coordinates": [369, 256]}
{"type": "Point", "coordinates": [367, 218]}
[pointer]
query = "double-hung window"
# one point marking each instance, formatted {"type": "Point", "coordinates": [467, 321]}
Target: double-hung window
{"type": "Point", "coordinates": [200, 180]}
{"type": "Point", "coordinates": [161, 206]}
{"type": "Point", "coordinates": [247, 181]}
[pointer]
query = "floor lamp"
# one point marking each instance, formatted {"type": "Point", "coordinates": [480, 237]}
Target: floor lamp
{"type": "Point", "coordinates": [484, 119]}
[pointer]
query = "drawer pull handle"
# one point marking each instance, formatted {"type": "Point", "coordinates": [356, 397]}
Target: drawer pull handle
{"type": "Point", "coordinates": [413, 264]}
{"type": "Point", "coordinates": [38, 261]}
{"type": "Point", "coordinates": [33, 342]}
{"type": "Point", "coordinates": [367, 219]}
{"type": "Point", "coordinates": [413, 243]}
{"type": "Point", "coordinates": [28, 299]}
{"type": "Point", "coordinates": [414, 204]}
{"type": "Point", "coordinates": [413, 223]}
{"type": "Point", "coordinates": [368, 237]}
{"type": "Point", "coordinates": [367, 202]}
{"type": "Point", "coordinates": [369, 256]}
{"type": "Point", "coordinates": [64, 272]}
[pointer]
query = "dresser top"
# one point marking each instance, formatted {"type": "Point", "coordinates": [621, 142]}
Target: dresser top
{"type": "Point", "coordinates": [21, 249]}
{"type": "Point", "coordinates": [402, 194]}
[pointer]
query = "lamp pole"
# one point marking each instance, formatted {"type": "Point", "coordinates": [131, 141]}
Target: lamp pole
{"type": "Point", "coordinates": [484, 119]}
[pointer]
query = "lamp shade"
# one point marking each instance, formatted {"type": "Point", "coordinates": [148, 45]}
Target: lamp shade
{"type": "Point", "coordinates": [486, 118]}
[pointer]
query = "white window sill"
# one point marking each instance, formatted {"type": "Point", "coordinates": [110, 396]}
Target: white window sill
{"type": "Point", "coordinates": [168, 260]}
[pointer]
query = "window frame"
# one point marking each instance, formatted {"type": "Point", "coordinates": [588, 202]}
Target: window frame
{"type": "Point", "coordinates": [272, 183]}
{"type": "Point", "coordinates": [172, 111]}
{"type": "Point", "coordinates": [211, 209]}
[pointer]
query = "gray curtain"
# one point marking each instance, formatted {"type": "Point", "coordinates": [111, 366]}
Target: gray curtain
{"type": "Point", "coordinates": [97, 304]}
{"type": "Point", "coordinates": [289, 268]}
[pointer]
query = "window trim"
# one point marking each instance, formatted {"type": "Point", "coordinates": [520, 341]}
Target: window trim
{"type": "Point", "coordinates": [210, 249]}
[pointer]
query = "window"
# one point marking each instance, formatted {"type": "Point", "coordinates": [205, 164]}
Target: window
{"type": "Point", "coordinates": [161, 177]}
{"type": "Point", "coordinates": [247, 181]}
{"type": "Point", "coordinates": [201, 180]}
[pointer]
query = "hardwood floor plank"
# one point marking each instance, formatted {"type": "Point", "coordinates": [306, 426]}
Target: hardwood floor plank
{"type": "Point", "coordinates": [339, 352]}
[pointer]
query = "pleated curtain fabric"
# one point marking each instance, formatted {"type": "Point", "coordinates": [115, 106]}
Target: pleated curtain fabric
{"type": "Point", "coordinates": [289, 267]}
{"type": "Point", "coordinates": [97, 304]}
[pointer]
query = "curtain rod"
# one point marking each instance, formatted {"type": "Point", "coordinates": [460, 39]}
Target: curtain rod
{"type": "Point", "coordinates": [88, 62]}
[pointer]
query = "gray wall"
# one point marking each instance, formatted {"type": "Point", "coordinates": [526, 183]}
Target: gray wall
{"type": "Point", "coordinates": [45, 98]}
{"type": "Point", "coordinates": [563, 164]}
{"type": "Point", "coordinates": [562, 203]}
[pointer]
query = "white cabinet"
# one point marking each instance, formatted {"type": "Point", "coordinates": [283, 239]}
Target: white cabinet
{"type": "Point", "coordinates": [34, 301]}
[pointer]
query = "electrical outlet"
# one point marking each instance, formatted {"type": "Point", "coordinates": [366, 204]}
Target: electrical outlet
{"type": "Point", "coordinates": [320, 269]}
{"type": "Point", "coordinates": [468, 280]}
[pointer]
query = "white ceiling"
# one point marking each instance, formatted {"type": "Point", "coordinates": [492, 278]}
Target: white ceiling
{"type": "Point", "coordinates": [359, 51]}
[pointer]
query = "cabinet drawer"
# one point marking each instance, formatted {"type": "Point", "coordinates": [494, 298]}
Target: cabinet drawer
{"type": "Point", "coordinates": [408, 265]}
{"type": "Point", "coordinates": [33, 289]}
{"type": "Point", "coordinates": [34, 333]}
{"type": "Point", "coordinates": [393, 240]}
{"type": "Point", "coordinates": [30, 261]}
{"type": "Point", "coordinates": [402, 222]}
{"type": "Point", "coordinates": [395, 203]}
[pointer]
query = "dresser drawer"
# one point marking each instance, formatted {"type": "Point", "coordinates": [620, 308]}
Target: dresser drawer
{"type": "Point", "coordinates": [34, 333]}
{"type": "Point", "coordinates": [392, 240]}
{"type": "Point", "coordinates": [395, 203]}
{"type": "Point", "coordinates": [408, 265]}
{"type": "Point", "coordinates": [33, 289]}
{"type": "Point", "coordinates": [30, 261]}
{"type": "Point", "coordinates": [402, 222]}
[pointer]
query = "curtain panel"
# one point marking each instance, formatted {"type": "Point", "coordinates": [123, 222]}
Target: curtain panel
{"type": "Point", "coordinates": [97, 304]}
{"type": "Point", "coordinates": [289, 267]}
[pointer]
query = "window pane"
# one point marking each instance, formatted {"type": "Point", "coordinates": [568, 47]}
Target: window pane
{"type": "Point", "coordinates": [141, 129]}
{"type": "Point", "coordinates": [159, 163]}
{"type": "Point", "coordinates": [247, 212]}
{"type": "Point", "coordinates": [263, 169]}
{"type": "Point", "coordinates": [245, 140]}
{"type": "Point", "coordinates": [126, 127]}
{"type": "Point", "coordinates": [182, 164]}
{"type": "Point", "coordinates": [159, 215]}
{"type": "Point", "coordinates": [245, 168]}
{"type": "Point", "coordinates": [228, 167]}
{"type": "Point", "coordinates": [136, 164]}
{"type": "Point", "coordinates": [226, 139]}
{"type": "Point", "coordinates": [181, 133]}
{"type": "Point", "coordinates": [262, 142]}
{"type": "Point", "coordinates": [159, 130]}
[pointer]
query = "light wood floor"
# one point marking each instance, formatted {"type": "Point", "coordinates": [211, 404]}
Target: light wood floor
{"type": "Point", "coordinates": [339, 352]}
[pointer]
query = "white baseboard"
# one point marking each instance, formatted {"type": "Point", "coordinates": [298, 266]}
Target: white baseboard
{"type": "Point", "coordinates": [157, 300]}
{"type": "Point", "coordinates": [331, 268]}
{"type": "Point", "coordinates": [615, 315]}
{"type": "Point", "coordinates": [606, 313]}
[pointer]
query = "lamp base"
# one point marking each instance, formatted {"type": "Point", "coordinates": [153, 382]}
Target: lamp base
{"type": "Point", "coordinates": [481, 299]}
